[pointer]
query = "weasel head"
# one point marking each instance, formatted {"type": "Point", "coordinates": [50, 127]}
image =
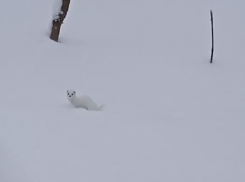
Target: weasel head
{"type": "Point", "coordinates": [71, 94]}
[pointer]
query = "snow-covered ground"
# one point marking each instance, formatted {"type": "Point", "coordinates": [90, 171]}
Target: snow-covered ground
{"type": "Point", "coordinates": [169, 115]}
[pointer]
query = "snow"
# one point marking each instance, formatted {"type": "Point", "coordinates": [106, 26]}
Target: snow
{"type": "Point", "coordinates": [169, 114]}
{"type": "Point", "coordinates": [56, 8]}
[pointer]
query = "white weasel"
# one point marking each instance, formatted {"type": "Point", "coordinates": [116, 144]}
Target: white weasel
{"type": "Point", "coordinates": [83, 101]}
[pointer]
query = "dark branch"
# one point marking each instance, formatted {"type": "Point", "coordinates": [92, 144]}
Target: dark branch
{"type": "Point", "coordinates": [212, 29]}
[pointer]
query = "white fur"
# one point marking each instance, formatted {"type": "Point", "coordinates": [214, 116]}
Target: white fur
{"type": "Point", "coordinates": [83, 101]}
